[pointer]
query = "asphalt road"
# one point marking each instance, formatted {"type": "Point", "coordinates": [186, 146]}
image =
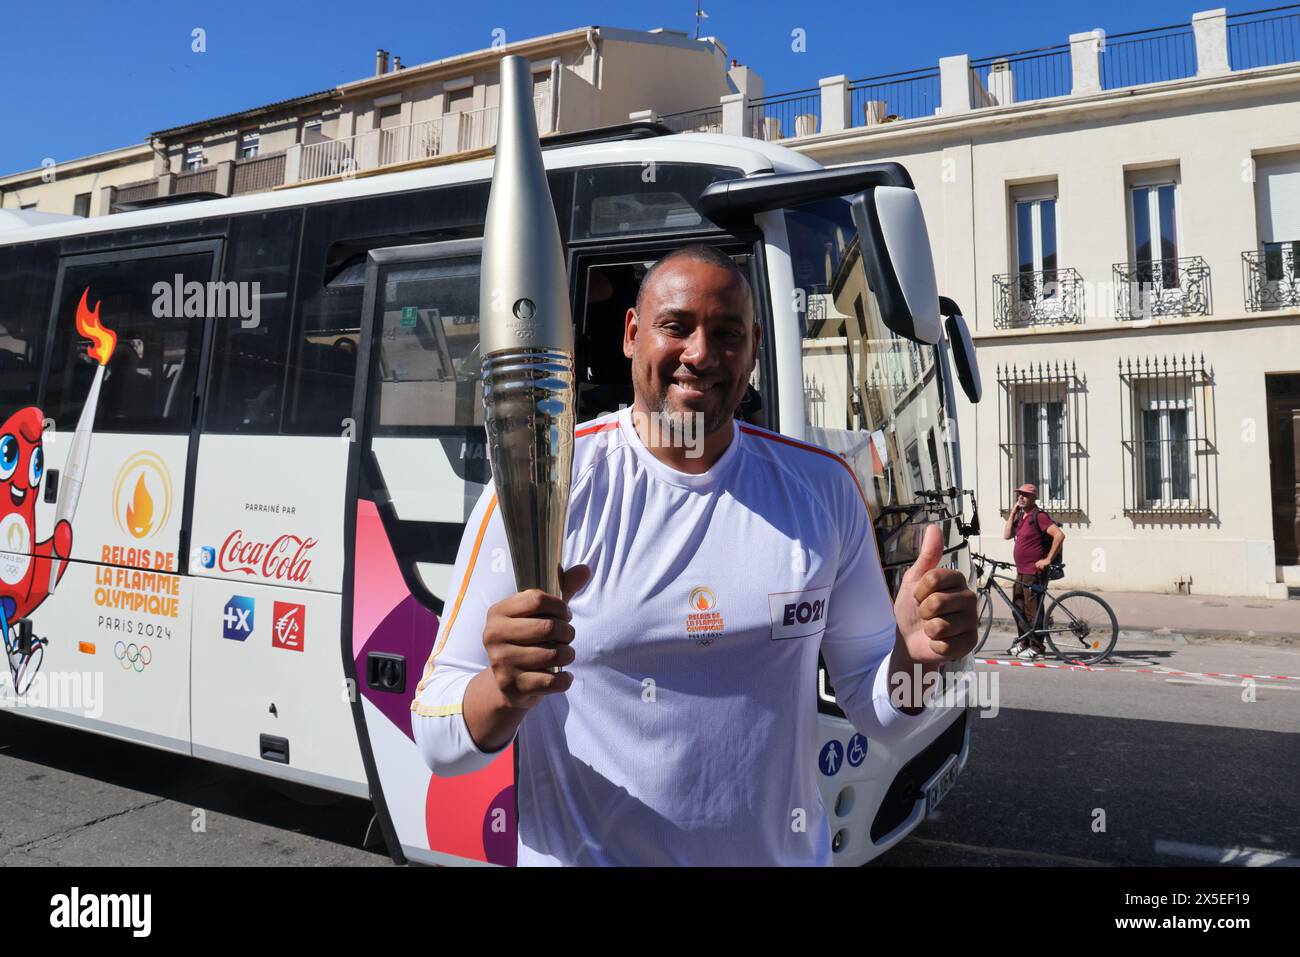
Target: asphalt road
{"type": "Point", "coordinates": [1183, 771]}
{"type": "Point", "coordinates": [1179, 770]}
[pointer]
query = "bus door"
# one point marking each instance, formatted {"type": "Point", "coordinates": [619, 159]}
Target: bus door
{"type": "Point", "coordinates": [93, 585]}
{"type": "Point", "coordinates": [421, 465]}
{"type": "Point", "coordinates": [267, 545]}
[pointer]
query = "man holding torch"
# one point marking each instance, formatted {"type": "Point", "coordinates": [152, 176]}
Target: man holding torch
{"type": "Point", "coordinates": [698, 593]}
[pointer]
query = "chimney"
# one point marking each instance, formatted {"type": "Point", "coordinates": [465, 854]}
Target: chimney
{"type": "Point", "coordinates": [397, 63]}
{"type": "Point", "coordinates": [381, 62]}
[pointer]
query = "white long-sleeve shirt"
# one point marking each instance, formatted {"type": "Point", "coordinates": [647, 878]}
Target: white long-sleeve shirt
{"type": "Point", "coordinates": [689, 733]}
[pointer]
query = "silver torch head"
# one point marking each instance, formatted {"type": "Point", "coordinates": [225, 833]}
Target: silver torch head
{"type": "Point", "coordinates": [526, 341]}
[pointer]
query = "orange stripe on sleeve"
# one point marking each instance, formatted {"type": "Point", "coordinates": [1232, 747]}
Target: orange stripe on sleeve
{"type": "Point", "coordinates": [772, 437]}
{"type": "Point", "coordinates": [589, 430]}
{"type": "Point", "coordinates": [460, 595]}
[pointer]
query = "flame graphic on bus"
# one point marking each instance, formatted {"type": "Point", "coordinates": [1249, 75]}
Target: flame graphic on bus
{"type": "Point", "coordinates": [102, 339]}
{"type": "Point", "coordinates": [139, 511]}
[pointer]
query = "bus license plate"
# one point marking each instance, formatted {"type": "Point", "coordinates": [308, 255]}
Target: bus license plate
{"type": "Point", "coordinates": [940, 785]}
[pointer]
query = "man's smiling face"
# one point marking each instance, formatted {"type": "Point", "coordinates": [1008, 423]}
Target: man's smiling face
{"type": "Point", "coordinates": [693, 342]}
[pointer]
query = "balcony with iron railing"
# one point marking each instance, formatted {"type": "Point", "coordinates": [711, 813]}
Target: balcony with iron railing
{"type": "Point", "coordinates": [1044, 297]}
{"type": "Point", "coordinates": [1162, 287]}
{"type": "Point", "coordinates": [1272, 277]}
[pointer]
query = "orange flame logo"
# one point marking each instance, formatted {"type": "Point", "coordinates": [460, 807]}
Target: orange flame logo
{"type": "Point", "coordinates": [88, 325]}
{"type": "Point", "coordinates": [702, 598]}
{"type": "Point", "coordinates": [139, 511]}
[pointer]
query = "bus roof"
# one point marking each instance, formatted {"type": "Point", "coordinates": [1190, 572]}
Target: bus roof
{"type": "Point", "coordinates": [749, 155]}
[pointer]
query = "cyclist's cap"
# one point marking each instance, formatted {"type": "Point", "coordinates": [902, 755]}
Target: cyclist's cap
{"type": "Point", "coordinates": [1028, 489]}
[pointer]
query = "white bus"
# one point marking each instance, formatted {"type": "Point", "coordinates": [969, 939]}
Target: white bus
{"type": "Point", "coordinates": [241, 437]}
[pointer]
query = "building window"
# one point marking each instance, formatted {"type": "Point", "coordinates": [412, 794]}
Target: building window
{"type": "Point", "coordinates": [1158, 279]}
{"type": "Point", "coordinates": [1167, 415]}
{"type": "Point", "coordinates": [1037, 291]}
{"type": "Point", "coordinates": [1273, 269]}
{"type": "Point", "coordinates": [313, 130]}
{"type": "Point", "coordinates": [194, 156]}
{"type": "Point", "coordinates": [1041, 431]}
{"type": "Point", "coordinates": [250, 144]}
{"type": "Point", "coordinates": [460, 101]}
{"type": "Point", "coordinates": [81, 205]}
{"type": "Point", "coordinates": [386, 117]}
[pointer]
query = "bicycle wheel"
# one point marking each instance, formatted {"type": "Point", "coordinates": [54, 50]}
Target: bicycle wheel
{"type": "Point", "coordinates": [1080, 627]}
{"type": "Point", "coordinates": [985, 619]}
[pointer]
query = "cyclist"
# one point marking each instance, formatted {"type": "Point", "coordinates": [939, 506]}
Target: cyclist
{"type": "Point", "coordinates": [1038, 542]}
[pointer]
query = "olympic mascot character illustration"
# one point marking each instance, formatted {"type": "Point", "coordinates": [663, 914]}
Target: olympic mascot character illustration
{"type": "Point", "coordinates": [30, 569]}
{"type": "Point", "coordinates": [26, 565]}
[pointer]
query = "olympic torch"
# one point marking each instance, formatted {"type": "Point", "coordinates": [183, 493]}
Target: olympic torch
{"type": "Point", "coordinates": [526, 341]}
{"type": "Point", "coordinates": [74, 469]}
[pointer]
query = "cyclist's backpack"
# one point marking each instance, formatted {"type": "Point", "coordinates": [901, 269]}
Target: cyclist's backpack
{"type": "Point", "coordinates": [1057, 569]}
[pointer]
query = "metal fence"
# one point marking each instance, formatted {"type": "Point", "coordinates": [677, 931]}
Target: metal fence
{"type": "Point", "coordinates": [1029, 75]}
{"type": "Point", "coordinates": [1167, 422]}
{"type": "Point", "coordinates": [1163, 287]}
{"type": "Point", "coordinates": [893, 96]}
{"type": "Point", "coordinates": [786, 115]}
{"type": "Point", "coordinates": [1148, 56]}
{"type": "Point", "coordinates": [258, 174]}
{"type": "Point", "coordinates": [1042, 432]}
{"type": "Point", "coordinates": [1256, 39]}
{"type": "Point", "coordinates": [1045, 297]}
{"type": "Point", "coordinates": [705, 120]}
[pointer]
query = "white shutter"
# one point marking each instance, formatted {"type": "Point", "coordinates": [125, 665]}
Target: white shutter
{"type": "Point", "coordinates": [1278, 199]}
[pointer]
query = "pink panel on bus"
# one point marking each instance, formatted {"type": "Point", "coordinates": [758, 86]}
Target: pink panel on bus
{"type": "Point", "coordinates": [471, 815]}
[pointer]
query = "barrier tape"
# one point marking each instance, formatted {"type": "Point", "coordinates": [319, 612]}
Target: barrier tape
{"type": "Point", "coordinates": [1132, 671]}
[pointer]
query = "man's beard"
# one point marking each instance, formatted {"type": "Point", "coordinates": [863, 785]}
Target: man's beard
{"type": "Point", "coordinates": [670, 420]}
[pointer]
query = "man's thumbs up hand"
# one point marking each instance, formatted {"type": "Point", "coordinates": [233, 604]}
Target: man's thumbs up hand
{"type": "Point", "coordinates": [935, 608]}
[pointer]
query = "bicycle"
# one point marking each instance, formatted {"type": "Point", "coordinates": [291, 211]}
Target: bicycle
{"type": "Point", "coordinates": [1080, 628]}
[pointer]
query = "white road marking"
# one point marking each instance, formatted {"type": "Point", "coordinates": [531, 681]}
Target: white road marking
{"type": "Point", "coordinates": [1236, 856]}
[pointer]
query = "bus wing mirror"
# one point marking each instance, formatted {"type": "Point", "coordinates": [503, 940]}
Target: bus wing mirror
{"type": "Point", "coordinates": [896, 254]}
{"type": "Point", "coordinates": [963, 349]}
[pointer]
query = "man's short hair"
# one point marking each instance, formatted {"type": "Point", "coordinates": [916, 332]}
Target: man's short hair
{"type": "Point", "coordinates": [700, 252]}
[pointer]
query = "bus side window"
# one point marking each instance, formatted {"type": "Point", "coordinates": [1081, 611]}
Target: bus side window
{"type": "Point", "coordinates": [26, 287]}
{"type": "Point", "coordinates": [428, 369]}
{"type": "Point", "coordinates": [323, 362]}
{"type": "Point", "coordinates": [150, 380]}
{"type": "Point", "coordinates": [250, 349]}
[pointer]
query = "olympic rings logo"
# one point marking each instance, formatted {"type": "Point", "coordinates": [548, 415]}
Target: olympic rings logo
{"type": "Point", "coordinates": [133, 657]}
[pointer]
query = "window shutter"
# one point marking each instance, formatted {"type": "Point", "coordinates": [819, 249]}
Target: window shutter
{"type": "Point", "coordinates": [1278, 200]}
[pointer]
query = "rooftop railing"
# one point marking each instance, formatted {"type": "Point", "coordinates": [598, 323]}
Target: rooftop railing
{"type": "Point", "coordinates": [1030, 75]}
{"type": "Point", "coordinates": [1264, 37]}
{"type": "Point", "coordinates": [1211, 44]}
{"type": "Point", "coordinates": [1148, 56]}
{"type": "Point", "coordinates": [786, 115]}
{"type": "Point", "coordinates": [893, 96]}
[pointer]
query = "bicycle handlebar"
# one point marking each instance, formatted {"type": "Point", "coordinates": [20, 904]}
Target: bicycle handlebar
{"type": "Point", "coordinates": [984, 559]}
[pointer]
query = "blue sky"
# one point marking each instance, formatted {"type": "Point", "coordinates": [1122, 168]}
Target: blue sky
{"type": "Point", "coordinates": [81, 76]}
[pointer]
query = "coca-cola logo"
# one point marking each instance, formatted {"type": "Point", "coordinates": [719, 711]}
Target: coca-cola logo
{"type": "Point", "coordinates": [284, 559]}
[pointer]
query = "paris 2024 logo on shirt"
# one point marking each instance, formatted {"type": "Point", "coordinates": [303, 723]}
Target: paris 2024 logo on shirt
{"type": "Point", "coordinates": [704, 623]}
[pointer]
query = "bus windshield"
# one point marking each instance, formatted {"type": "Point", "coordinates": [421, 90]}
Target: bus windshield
{"type": "Point", "coordinates": [870, 394]}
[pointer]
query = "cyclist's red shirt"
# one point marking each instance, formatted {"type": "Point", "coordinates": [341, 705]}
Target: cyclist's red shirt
{"type": "Point", "coordinates": [1029, 541]}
